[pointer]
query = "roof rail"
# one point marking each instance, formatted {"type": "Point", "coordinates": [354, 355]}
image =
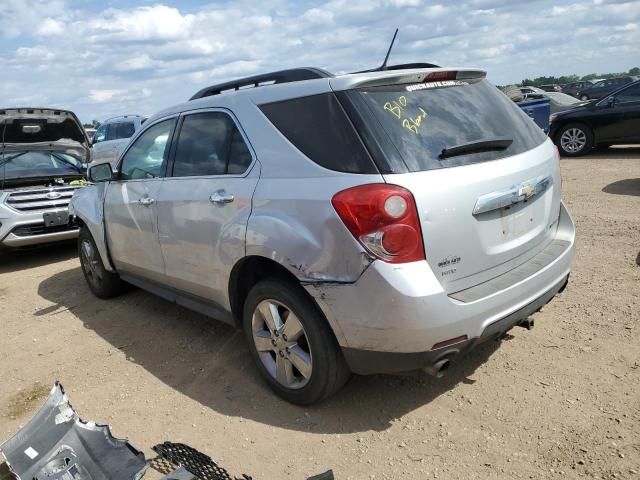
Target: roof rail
{"type": "Point", "coordinates": [282, 76]}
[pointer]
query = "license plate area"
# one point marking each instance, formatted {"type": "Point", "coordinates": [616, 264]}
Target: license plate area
{"type": "Point", "coordinates": [56, 218]}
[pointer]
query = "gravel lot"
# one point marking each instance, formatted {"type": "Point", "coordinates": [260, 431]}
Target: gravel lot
{"type": "Point", "coordinates": [560, 401]}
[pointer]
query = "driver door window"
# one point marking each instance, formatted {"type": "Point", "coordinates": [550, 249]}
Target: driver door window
{"type": "Point", "coordinates": [100, 134]}
{"type": "Point", "coordinates": [147, 157]}
{"type": "Point", "coordinates": [631, 94]}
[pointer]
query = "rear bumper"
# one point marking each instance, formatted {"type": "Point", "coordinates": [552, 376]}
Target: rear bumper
{"type": "Point", "coordinates": [394, 315]}
{"type": "Point", "coordinates": [365, 362]}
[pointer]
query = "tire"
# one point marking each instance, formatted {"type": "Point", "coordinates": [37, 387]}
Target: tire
{"type": "Point", "coordinates": [102, 283]}
{"type": "Point", "coordinates": [584, 98]}
{"type": "Point", "coordinates": [305, 367]}
{"type": "Point", "coordinates": [574, 139]}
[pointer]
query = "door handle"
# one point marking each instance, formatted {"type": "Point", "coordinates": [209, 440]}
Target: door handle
{"type": "Point", "coordinates": [221, 197]}
{"type": "Point", "coordinates": [146, 201]}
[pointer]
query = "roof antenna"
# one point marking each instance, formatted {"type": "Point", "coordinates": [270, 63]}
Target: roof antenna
{"type": "Point", "coordinates": [384, 64]}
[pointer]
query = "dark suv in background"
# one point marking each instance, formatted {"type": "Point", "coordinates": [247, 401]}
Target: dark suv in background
{"type": "Point", "coordinates": [604, 87]}
{"type": "Point", "coordinates": [575, 88]}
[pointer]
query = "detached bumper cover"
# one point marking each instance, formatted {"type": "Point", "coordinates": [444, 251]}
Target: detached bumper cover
{"type": "Point", "coordinates": [57, 445]}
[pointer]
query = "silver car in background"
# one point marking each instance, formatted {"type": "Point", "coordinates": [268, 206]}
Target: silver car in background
{"type": "Point", "coordinates": [384, 221]}
{"type": "Point", "coordinates": [112, 136]}
{"type": "Point", "coordinates": [43, 158]}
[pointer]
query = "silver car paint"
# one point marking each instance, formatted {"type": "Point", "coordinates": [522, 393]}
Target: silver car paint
{"type": "Point", "coordinates": [370, 304]}
{"type": "Point", "coordinates": [405, 308]}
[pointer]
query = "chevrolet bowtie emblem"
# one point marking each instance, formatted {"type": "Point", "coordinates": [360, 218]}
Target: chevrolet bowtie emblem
{"type": "Point", "coordinates": [526, 191]}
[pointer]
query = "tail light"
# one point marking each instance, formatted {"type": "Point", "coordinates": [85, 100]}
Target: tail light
{"type": "Point", "coordinates": [384, 219]}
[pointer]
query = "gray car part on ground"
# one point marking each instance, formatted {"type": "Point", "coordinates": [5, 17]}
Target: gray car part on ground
{"type": "Point", "coordinates": [57, 445]}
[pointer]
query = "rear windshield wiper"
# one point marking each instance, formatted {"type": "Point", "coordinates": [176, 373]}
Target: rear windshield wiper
{"type": "Point", "coordinates": [499, 143]}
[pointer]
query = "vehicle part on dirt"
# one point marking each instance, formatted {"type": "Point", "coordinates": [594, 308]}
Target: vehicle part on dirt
{"type": "Point", "coordinates": [57, 445]}
{"type": "Point", "coordinates": [180, 473]}
{"type": "Point", "coordinates": [291, 343]}
{"type": "Point", "coordinates": [102, 283]}
{"type": "Point", "coordinates": [195, 462]}
{"type": "Point", "coordinates": [328, 475]}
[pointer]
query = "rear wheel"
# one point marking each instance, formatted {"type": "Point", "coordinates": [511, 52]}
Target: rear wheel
{"type": "Point", "coordinates": [103, 284]}
{"type": "Point", "coordinates": [291, 343]}
{"type": "Point", "coordinates": [574, 139]}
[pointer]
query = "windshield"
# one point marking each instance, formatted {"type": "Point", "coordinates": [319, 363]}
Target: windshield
{"type": "Point", "coordinates": [562, 98]}
{"type": "Point", "coordinates": [424, 119]}
{"type": "Point", "coordinates": [21, 164]}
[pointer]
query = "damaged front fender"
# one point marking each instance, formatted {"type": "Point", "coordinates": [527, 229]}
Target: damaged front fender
{"type": "Point", "coordinates": [87, 208]}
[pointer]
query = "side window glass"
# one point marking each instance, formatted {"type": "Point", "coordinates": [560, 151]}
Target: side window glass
{"type": "Point", "coordinates": [101, 134]}
{"type": "Point", "coordinates": [148, 155]}
{"type": "Point", "coordinates": [112, 128]}
{"type": "Point", "coordinates": [210, 144]}
{"type": "Point", "coordinates": [631, 94]}
{"type": "Point", "coordinates": [125, 130]}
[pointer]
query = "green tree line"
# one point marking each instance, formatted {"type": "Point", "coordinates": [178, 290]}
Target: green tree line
{"type": "Point", "coordinates": [536, 82]}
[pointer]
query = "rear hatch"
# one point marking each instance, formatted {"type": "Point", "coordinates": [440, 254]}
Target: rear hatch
{"type": "Point", "coordinates": [485, 178]}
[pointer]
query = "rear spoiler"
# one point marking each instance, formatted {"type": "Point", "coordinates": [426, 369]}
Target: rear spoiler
{"type": "Point", "coordinates": [391, 77]}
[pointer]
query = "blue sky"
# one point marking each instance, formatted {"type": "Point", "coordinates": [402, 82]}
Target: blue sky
{"type": "Point", "coordinates": [105, 58]}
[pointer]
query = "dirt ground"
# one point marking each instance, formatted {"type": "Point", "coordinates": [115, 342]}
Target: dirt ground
{"type": "Point", "coordinates": [562, 400]}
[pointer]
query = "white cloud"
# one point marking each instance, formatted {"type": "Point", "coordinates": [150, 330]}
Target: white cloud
{"type": "Point", "coordinates": [142, 58]}
{"type": "Point", "coordinates": [50, 27]}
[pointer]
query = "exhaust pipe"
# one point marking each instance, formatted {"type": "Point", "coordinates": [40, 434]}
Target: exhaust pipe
{"type": "Point", "coordinates": [527, 323]}
{"type": "Point", "coordinates": [437, 369]}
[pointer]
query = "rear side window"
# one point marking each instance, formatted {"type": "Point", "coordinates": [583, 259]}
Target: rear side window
{"type": "Point", "coordinates": [421, 120]}
{"type": "Point", "coordinates": [210, 144]}
{"type": "Point", "coordinates": [120, 130]}
{"type": "Point", "coordinates": [629, 94]}
{"type": "Point", "coordinates": [318, 127]}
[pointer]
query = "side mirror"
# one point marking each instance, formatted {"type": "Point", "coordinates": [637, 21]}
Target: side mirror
{"type": "Point", "coordinates": [100, 173]}
{"type": "Point", "coordinates": [611, 101]}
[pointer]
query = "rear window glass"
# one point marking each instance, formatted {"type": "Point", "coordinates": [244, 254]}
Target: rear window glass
{"type": "Point", "coordinates": [318, 127]}
{"type": "Point", "coordinates": [420, 122]}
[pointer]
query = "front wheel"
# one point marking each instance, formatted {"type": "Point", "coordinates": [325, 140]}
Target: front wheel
{"type": "Point", "coordinates": [574, 140]}
{"type": "Point", "coordinates": [102, 283]}
{"type": "Point", "coordinates": [291, 343]}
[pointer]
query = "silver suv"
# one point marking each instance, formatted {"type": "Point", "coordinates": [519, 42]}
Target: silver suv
{"type": "Point", "coordinates": [374, 222]}
{"type": "Point", "coordinates": [43, 158]}
{"type": "Point", "coordinates": [112, 137]}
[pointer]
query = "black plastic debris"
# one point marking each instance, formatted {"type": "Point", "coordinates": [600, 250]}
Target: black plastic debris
{"type": "Point", "coordinates": [197, 463]}
{"type": "Point", "coordinates": [328, 475]}
{"type": "Point", "coordinates": [180, 473]}
{"type": "Point", "coordinates": [57, 445]}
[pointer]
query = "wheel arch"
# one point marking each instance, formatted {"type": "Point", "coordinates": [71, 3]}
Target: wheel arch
{"type": "Point", "coordinates": [246, 273]}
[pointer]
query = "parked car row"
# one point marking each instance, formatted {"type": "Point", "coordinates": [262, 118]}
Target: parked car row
{"type": "Point", "coordinates": [586, 89]}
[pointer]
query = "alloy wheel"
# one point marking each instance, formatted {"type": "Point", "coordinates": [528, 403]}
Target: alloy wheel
{"type": "Point", "coordinates": [90, 262]}
{"type": "Point", "coordinates": [573, 140]}
{"type": "Point", "coordinates": [282, 344]}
